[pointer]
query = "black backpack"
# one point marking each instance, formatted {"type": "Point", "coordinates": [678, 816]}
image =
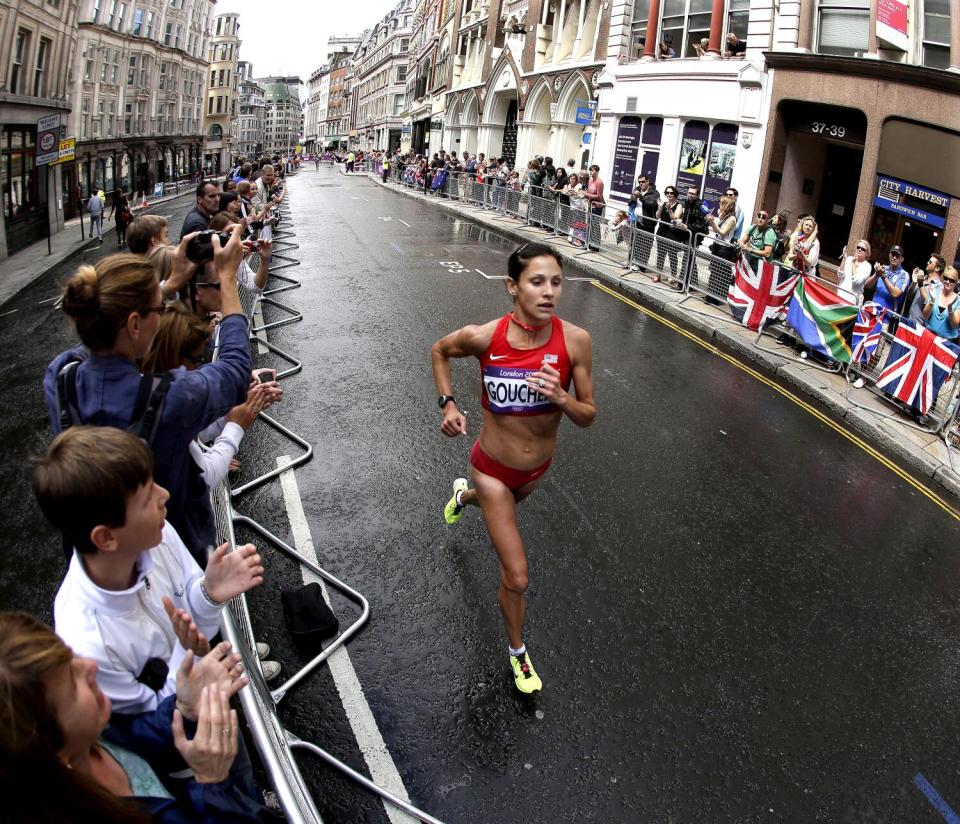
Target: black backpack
{"type": "Point", "coordinates": [146, 411]}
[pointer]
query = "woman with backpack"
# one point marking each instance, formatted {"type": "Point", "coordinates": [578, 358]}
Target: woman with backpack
{"type": "Point", "coordinates": [116, 307]}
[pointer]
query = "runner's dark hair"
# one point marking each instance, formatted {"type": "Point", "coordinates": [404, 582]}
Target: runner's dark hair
{"type": "Point", "coordinates": [521, 257]}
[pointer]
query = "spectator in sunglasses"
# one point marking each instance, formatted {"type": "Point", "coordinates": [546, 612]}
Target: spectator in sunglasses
{"type": "Point", "coordinates": [889, 283]}
{"type": "Point", "coordinates": [854, 270]}
{"type": "Point", "coordinates": [760, 239]}
{"type": "Point", "coordinates": [941, 307]}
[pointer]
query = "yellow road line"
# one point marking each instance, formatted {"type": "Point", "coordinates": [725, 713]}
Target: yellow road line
{"type": "Point", "coordinates": [824, 419]}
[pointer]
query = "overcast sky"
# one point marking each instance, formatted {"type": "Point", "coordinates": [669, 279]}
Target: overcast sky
{"type": "Point", "coordinates": [288, 37]}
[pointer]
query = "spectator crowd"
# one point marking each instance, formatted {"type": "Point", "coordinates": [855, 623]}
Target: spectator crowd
{"type": "Point", "coordinates": [125, 705]}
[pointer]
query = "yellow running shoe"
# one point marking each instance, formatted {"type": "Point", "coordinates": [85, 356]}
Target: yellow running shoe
{"type": "Point", "coordinates": [453, 512]}
{"type": "Point", "coordinates": [524, 675]}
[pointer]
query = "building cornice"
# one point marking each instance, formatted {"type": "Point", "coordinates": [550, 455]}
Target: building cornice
{"type": "Point", "coordinates": [883, 70]}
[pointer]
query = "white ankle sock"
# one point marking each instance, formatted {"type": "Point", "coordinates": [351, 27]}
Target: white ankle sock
{"type": "Point", "coordinates": [459, 497]}
{"type": "Point", "coordinates": [516, 653]}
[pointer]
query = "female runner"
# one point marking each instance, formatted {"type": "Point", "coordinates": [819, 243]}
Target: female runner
{"type": "Point", "coordinates": [527, 359]}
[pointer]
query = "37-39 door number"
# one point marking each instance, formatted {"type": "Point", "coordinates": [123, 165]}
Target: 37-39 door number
{"type": "Point", "coordinates": [831, 129]}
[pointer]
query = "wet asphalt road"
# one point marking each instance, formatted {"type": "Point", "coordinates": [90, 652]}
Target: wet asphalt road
{"type": "Point", "coordinates": [737, 614]}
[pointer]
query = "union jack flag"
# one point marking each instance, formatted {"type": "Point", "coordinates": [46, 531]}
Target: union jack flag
{"type": "Point", "coordinates": [918, 364]}
{"type": "Point", "coordinates": [760, 291]}
{"type": "Point", "coordinates": [866, 331]}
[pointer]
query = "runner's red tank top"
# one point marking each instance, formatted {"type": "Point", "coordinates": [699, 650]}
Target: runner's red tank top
{"type": "Point", "coordinates": [504, 370]}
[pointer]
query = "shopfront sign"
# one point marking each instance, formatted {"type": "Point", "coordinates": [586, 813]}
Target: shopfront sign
{"type": "Point", "coordinates": [585, 110]}
{"type": "Point", "coordinates": [67, 151]}
{"type": "Point", "coordinates": [925, 205]}
{"type": "Point", "coordinates": [625, 155]}
{"type": "Point", "coordinates": [48, 139]}
{"type": "Point", "coordinates": [892, 23]}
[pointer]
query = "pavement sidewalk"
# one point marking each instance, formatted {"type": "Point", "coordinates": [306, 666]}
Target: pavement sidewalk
{"type": "Point", "coordinates": [924, 453]}
{"type": "Point", "coordinates": [22, 268]}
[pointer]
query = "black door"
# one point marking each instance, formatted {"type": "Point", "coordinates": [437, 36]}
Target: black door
{"type": "Point", "coordinates": [919, 241]}
{"type": "Point", "coordinates": [509, 147]}
{"type": "Point", "coordinates": [838, 196]}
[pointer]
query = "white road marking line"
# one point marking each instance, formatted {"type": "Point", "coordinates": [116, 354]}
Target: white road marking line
{"type": "Point", "coordinates": [382, 769]}
{"type": "Point", "coordinates": [9, 313]}
{"type": "Point", "coordinates": [490, 277]}
{"type": "Point", "coordinates": [591, 280]}
{"type": "Point", "coordinates": [405, 223]}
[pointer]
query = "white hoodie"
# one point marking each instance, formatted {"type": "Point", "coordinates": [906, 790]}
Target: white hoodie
{"type": "Point", "coordinates": [122, 630]}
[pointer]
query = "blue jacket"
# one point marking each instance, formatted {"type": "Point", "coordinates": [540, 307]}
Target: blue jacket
{"type": "Point", "coordinates": [150, 736]}
{"type": "Point", "coordinates": [107, 390]}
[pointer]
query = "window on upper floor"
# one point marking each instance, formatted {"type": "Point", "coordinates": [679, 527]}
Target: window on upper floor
{"type": "Point", "coordinates": [111, 16]}
{"type": "Point", "coordinates": [95, 17]}
{"type": "Point", "coordinates": [149, 32]}
{"type": "Point", "coordinates": [21, 49]}
{"type": "Point", "coordinates": [168, 34]}
{"type": "Point", "coordinates": [137, 22]}
{"type": "Point", "coordinates": [685, 23]}
{"type": "Point", "coordinates": [40, 72]}
{"type": "Point", "coordinates": [121, 10]}
{"type": "Point", "coordinates": [405, 44]}
{"type": "Point", "coordinates": [843, 27]}
{"type": "Point", "coordinates": [936, 34]}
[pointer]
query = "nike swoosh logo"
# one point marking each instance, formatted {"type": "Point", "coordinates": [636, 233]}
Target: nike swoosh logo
{"type": "Point", "coordinates": [498, 357]}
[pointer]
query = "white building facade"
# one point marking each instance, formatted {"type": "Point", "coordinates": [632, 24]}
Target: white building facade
{"type": "Point", "coordinates": [381, 58]}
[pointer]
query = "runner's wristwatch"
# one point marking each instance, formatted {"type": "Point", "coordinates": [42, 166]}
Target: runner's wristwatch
{"type": "Point", "coordinates": [443, 400]}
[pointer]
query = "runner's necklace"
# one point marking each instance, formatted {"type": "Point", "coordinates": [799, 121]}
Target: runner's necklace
{"type": "Point", "coordinates": [524, 326]}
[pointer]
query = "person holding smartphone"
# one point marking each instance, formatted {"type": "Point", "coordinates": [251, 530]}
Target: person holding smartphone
{"type": "Point", "coordinates": [528, 359]}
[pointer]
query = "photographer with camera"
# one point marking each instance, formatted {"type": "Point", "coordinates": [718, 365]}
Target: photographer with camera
{"type": "Point", "coordinates": [246, 277]}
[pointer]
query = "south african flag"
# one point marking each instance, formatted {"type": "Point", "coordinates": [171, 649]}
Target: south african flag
{"type": "Point", "coordinates": [818, 314]}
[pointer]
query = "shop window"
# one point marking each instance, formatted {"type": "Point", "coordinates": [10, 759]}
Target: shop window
{"type": "Point", "coordinates": [843, 27]}
{"type": "Point", "coordinates": [17, 173]}
{"type": "Point", "coordinates": [936, 34]}
{"type": "Point", "coordinates": [707, 156]}
{"type": "Point", "coordinates": [637, 152]}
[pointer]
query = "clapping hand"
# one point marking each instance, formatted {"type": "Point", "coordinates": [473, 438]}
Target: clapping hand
{"type": "Point", "coordinates": [214, 746]}
{"type": "Point", "coordinates": [219, 669]}
{"type": "Point", "coordinates": [187, 632]}
{"type": "Point", "coordinates": [229, 574]}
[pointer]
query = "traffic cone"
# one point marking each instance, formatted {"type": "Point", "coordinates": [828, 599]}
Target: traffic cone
{"type": "Point", "coordinates": [143, 203]}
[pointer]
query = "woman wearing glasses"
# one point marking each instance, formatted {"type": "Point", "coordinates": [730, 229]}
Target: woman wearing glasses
{"type": "Point", "coordinates": [671, 216]}
{"type": "Point", "coordinates": [941, 307]}
{"type": "Point", "coordinates": [855, 269]}
{"type": "Point", "coordinates": [115, 307]}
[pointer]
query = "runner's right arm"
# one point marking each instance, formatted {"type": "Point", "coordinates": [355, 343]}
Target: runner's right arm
{"type": "Point", "coordinates": [470, 341]}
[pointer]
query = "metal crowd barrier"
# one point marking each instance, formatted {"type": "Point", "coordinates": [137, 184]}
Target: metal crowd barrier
{"type": "Point", "coordinates": [274, 743]}
{"type": "Point", "coordinates": [936, 419]}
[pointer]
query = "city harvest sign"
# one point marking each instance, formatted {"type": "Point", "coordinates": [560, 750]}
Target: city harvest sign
{"type": "Point", "coordinates": [909, 199]}
{"type": "Point", "coordinates": [892, 23]}
{"type": "Point", "coordinates": [48, 140]}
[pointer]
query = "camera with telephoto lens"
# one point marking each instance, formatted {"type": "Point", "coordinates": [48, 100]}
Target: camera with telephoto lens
{"type": "Point", "coordinates": [200, 248]}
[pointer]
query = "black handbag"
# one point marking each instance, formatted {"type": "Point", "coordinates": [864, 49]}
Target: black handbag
{"type": "Point", "coordinates": [307, 615]}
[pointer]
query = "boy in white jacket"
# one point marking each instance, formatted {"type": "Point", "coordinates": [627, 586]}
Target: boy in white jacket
{"type": "Point", "coordinates": [96, 484]}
